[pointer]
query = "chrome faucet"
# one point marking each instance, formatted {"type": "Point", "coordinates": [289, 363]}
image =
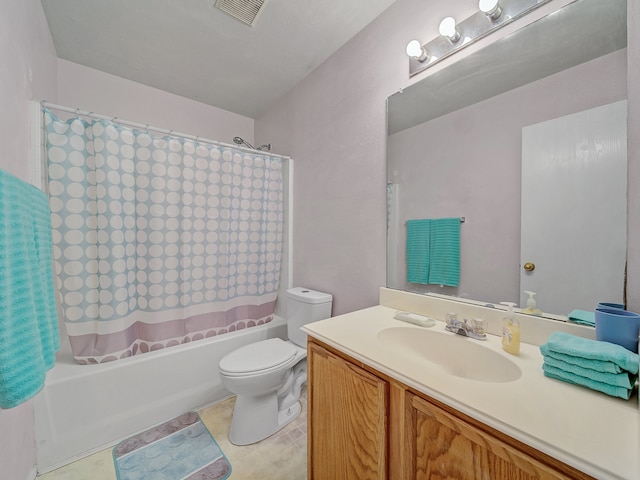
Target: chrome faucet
{"type": "Point", "coordinates": [474, 329]}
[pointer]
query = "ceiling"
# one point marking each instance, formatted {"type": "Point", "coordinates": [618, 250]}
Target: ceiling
{"type": "Point", "coordinates": [192, 49]}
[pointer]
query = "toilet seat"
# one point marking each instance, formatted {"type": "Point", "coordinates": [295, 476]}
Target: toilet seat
{"type": "Point", "coordinates": [258, 357]}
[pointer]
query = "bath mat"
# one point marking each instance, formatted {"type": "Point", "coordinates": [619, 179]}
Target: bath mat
{"type": "Point", "coordinates": [180, 449]}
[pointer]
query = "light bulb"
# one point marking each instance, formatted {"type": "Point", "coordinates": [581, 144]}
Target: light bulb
{"type": "Point", "coordinates": [491, 8]}
{"type": "Point", "coordinates": [448, 29]}
{"type": "Point", "coordinates": [415, 50]}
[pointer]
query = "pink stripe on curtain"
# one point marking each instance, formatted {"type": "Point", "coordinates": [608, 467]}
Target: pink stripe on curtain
{"type": "Point", "coordinates": [142, 337]}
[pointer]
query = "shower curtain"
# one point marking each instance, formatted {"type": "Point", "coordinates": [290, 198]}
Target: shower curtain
{"type": "Point", "coordinates": [159, 241]}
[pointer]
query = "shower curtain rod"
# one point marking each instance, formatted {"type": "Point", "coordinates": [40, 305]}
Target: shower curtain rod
{"type": "Point", "coordinates": [147, 127]}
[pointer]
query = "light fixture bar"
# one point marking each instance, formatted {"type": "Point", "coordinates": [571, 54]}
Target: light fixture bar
{"type": "Point", "coordinates": [491, 16]}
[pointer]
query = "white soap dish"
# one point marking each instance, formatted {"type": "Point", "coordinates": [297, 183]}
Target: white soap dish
{"type": "Point", "coordinates": [414, 318]}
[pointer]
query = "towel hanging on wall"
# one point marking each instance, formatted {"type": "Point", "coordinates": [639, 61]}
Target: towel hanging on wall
{"type": "Point", "coordinates": [418, 242]}
{"type": "Point", "coordinates": [433, 251]}
{"type": "Point", "coordinates": [29, 334]}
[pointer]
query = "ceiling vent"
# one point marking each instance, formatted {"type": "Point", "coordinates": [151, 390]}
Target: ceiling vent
{"type": "Point", "coordinates": [246, 11]}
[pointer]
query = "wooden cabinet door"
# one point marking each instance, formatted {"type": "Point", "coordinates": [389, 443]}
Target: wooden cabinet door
{"type": "Point", "coordinates": [443, 446]}
{"type": "Point", "coordinates": [347, 419]}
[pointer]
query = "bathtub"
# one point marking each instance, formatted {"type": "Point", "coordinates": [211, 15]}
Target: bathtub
{"type": "Point", "coordinates": [86, 408]}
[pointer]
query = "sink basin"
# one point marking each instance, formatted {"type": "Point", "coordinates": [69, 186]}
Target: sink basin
{"type": "Point", "coordinates": [456, 355]}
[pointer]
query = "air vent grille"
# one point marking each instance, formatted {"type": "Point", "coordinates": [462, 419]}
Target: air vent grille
{"type": "Point", "coordinates": [244, 10]}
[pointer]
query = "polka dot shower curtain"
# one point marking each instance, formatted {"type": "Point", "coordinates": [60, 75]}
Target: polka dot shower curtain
{"type": "Point", "coordinates": [159, 241]}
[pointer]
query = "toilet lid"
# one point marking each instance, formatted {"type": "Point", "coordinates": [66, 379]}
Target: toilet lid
{"type": "Point", "coordinates": [258, 356]}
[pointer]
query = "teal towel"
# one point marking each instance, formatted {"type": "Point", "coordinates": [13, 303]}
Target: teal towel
{"type": "Point", "coordinates": [583, 317]}
{"type": "Point", "coordinates": [583, 350]}
{"type": "Point", "coordinates": [595, 365]}
{"type": "Point", "coordinates": [569, 377]}
{"type": "Point", "coordinates": [622, 379]}
{"type": "Point", "coordinates": [418, 242]}
{"type": "Point", "coordinates": [445, 252]}
{"type": "Point", "coordinates": [433, 251]}
{"type": "Point", "coordinates": [29, 334]}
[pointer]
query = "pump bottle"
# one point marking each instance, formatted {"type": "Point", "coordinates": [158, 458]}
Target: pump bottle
{"type": "Point", "coordinates": [510, 331]}
{"type": "Point", "coordinates": [531, 305]}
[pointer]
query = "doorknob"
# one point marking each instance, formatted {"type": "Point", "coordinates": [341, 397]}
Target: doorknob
{"type": "Point", "coordinates": [529, 267]}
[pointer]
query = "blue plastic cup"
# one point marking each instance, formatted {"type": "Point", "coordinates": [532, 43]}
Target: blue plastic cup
{"type": "Point", "coordinates": [618, 306]}
{"type": "Point", "coordinates": [618, 326]}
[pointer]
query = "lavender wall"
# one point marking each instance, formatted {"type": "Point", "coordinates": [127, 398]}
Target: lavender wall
{"type": "Point", "coordinates": [334, 124]}
{"type": "Point", "coordinates": [89, 89]}
{"type": "Point", "coordinates": [28, 72]}
{"type": "Point", "coordinates": [467, 163]}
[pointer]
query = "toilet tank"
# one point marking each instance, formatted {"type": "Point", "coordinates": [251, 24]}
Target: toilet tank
{"type": "Point", "coordinates": [305, 306]}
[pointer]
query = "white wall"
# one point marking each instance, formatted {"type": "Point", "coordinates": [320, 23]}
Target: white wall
{"type": "Point", "coordinates": [95, 91]}
{"type": "Point", "coordinates": [334, 124]}
{"type": "Point", "coordinates": [28, 71]}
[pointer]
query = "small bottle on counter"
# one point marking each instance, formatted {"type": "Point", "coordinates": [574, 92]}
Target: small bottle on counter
{"type": "Point", "coordinates": [510, 331]}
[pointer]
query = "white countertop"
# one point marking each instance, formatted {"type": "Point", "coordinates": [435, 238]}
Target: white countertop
{"type": "Point", "coordinates": [588, 430]}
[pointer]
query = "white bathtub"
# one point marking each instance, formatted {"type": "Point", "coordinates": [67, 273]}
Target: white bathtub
{"type": "Point", "coordinates": [85, 408]}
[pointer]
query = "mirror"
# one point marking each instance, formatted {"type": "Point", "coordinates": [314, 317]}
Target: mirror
{"type": "Point", "coordinates": [455, 144]}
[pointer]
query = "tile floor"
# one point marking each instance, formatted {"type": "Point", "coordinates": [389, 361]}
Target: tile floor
{"type": "Point", "coordinates": [282, 456]}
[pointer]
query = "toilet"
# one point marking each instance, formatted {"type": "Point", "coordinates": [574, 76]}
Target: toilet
{"type": "Point", "coordinates": [267, 376]}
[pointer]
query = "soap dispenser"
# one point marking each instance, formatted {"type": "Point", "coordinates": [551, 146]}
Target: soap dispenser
{"type": "Point", "coordinates": [531, 305]}
{"type": "Point", "coordinates": [510, 331]}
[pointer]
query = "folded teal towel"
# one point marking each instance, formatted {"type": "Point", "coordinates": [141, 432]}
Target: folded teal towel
{"type": "Point", "coordinates": [433, 251]}
{"type": "Point", "coordinates": [584, 350]}
{"type": "Point", "coordinates": [583, 317]}
{"type": "Point", "coordinates": [594, 365]}
{"type": "Point", "coordinates": [29, 334]}
{"type": "Point", "coordinates": [569, 377]}
{"type": "Point", "coordinates": [622, 379]}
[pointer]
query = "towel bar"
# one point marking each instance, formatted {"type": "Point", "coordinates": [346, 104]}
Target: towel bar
{"type": "Point", "coordinates": [462, 219]}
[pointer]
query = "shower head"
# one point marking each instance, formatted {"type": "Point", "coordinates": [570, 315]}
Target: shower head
{"type": "Point", "coordinates": [241, 141]}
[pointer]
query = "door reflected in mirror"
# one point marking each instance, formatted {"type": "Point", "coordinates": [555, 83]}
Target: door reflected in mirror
{"type": "Point", "coordinates": [455, 150]}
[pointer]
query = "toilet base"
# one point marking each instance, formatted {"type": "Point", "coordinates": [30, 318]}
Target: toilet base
{"type": "Point", "coordinates": [256, 418]}
{"type": "Point", "coordinates": [289, 415]}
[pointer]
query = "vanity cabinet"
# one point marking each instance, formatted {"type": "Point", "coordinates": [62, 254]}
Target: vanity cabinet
{"type": "Point", "coordinates": [347, 411]}
{"type": "Point", "coordinates": [366, 425]}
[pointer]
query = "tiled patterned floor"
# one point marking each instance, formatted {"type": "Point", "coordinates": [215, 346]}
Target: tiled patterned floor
{"type": "Point", "coordinates": [282, 456]}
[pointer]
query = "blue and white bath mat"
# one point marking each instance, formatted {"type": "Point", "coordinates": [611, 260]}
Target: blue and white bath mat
{"type": "Point", "coordinates": [180, 449]}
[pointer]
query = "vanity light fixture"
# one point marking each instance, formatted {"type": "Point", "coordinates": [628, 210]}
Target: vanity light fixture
{"type": "Point", "coordinates": [415, 50]}
{"type": "Point", "coordinates": [491, 8]}
{"type": "Point", "coordinates": [491, 15]}
{"type": "Point", "coordinates": [448, 29]}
